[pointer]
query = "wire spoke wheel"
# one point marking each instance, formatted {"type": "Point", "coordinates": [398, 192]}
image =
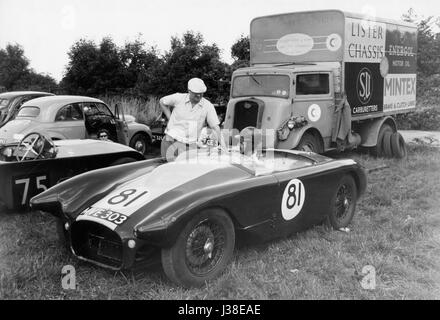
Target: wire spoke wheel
{"type": "Point", "coordinates": [202, 249]}
{"type": "Point", "coordinates": [205, 247]}
{"type": "Point", "coordinates": [344, 203]}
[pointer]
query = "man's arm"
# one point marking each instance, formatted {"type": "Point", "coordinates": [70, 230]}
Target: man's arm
{"type": "Point", "coordinates": [165, 108]}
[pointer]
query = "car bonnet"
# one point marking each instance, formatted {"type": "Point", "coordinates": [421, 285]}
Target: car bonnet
{"type": "Point", "coordinates": [161, 186]}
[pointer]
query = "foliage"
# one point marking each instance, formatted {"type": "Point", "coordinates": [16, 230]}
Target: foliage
{"type": "Point", "coordinates": [15, 73]}
{"type": "Point", "coordinates": [426, 119]}
{"type": "Point", "coordinates": [240, 51]}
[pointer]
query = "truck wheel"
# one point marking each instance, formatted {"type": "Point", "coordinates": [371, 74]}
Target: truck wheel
{"type": "Point", "coordinates": [398, 146]}
{"type": "Point", "coordinates": [387, 152]}
{"type": "Point", "coordinates": [139, 142]}
{"type": "Point", "coordinates": [343, 203]}
{"type": "Point", "coordinates": [378, 150]}
{"type": "Point", "coordinates": [309, 143]}
{"type": "Point", "coordinates": [202, 249]}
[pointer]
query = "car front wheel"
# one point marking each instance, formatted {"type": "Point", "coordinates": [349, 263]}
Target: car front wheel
{"type": "Point", "coordinates": [202, 250]}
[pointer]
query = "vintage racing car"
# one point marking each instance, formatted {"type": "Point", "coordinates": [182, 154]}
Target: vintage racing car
{"type": "Point", "coordinates": [191, 210]}
{"type": "Point", "coordinates": [36, 163]}
{"type": "Point", "coordinates": [76, 117]}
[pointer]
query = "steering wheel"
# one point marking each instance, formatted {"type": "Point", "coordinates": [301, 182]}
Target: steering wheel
{"type": "Point", "coordinates": [33, 146]}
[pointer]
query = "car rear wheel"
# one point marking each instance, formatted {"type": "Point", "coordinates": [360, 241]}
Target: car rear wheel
{"type": "Point", "coordinates": [202, 250]}
{"type": "Point", "coordinates": [139, 142]}
{"type": "Point", "coordinates": [343, 203]}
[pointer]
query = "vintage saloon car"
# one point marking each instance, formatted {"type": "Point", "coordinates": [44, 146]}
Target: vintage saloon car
{"type": "Point", "coordinates": [76, 117]}
{"type": "Point", "coordinates": [36, 163]}
{"type": "Point", "coordinates": [10, 103]}
{"type": "Point", "coordinates": [191, 210]}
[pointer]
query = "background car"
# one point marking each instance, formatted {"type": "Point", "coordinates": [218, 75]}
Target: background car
{"type": "Point", "coordinates": [36, 163]}
{"type": "Point", "coordinates": [191, 210]}
{"type": "Point", "coordinates": [76, 117]}
{"type": "Point", "coordinates": [10, 103]}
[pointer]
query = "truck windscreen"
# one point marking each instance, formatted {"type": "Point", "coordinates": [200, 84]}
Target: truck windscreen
{"type": "Point", "coordinates": [261, 85]}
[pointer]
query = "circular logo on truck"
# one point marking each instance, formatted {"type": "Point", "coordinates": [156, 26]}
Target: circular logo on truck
{"type": "Point", "coordinates": [364, 86]}
{"type": "Point", "coordinates": [314, 112]}
{"type": "Point", "coordinates": [293, 199]}
{"type": "Point", "coordinates": [333, 42]}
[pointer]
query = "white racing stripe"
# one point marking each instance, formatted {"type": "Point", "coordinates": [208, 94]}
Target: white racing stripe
{"type": "Point", "coordinates": [132, 195]}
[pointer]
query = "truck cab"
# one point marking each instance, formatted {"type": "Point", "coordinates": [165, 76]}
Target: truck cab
{"type": "Point", "coordinates": [271, 96]}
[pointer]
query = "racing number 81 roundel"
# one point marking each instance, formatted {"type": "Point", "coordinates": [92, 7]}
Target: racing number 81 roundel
{"type": "Point", "coordinates": [293, 199]}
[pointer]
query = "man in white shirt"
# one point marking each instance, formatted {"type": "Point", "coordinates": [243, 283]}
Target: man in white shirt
{"type": "Point", "coordinates": [190, 113]}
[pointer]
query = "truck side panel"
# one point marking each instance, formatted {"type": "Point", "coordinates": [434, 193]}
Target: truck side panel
{"type": "Point", "coordinates": [379, 67]}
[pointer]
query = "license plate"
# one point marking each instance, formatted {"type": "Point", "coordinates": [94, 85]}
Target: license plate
{"type": "Point", "coordinates": [105, 214]}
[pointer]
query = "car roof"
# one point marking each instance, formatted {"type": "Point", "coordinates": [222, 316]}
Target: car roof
{"type": "Point", "coordinates": [46, 102]}
{"type": "Point", "coordinates": [13, 94]}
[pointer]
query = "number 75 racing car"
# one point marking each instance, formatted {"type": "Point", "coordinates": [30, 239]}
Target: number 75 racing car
{"type": "Point", "coordinates": [192, 209]}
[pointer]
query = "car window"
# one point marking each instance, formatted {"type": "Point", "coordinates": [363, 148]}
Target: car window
{"type": "Point", "coordinates": [313, 83]}
{"type": "Point", "coordinates": [104, 109]}
{"type": "Point", "coordinates": [71, 112]}
{"type": "Point", "coordinates": [28, 111]}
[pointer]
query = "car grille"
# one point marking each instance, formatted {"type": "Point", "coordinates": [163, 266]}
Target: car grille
{"type": "Point", "coordinates": [247, 114]}
{"type": "Point", "coordinates": [95, 242]}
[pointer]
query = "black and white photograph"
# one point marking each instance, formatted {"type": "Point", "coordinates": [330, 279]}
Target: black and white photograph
{"type": "Point", "coordinates": [219, 154]}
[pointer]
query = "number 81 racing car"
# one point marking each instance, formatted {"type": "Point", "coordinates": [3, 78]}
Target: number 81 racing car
{"type": "Point", "coordinates": [192, 209]}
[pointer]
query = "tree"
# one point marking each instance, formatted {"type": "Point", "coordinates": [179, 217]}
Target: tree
{"type": "Point", "coordinates": [190, 57]}
{"type": "Point", "coordinates": [80, 74]}
{"type": "Point", "coordinates": [240, 51]}
{"type": "Point", "coordinates": [13, 65]}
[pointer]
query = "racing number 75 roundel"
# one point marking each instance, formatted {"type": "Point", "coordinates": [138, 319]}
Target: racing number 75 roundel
{"type": "Point", "coordinates": [293, 199]}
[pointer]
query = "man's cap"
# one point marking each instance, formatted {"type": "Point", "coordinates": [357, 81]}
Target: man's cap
{"type": "Point", "coordinates": [196, 85]}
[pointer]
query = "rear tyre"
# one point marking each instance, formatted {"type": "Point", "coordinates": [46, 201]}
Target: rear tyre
{"type": "Point", "coordinates": [139, 142]}
{"type": "Point", "coordinates": [309, 143]}
{"type": "Point", "coordinates": [343, 203]}
{"type": "Point", "coordinates": [378, 150]}
{"type": "Point", "coordinates": [398, 146]}
{"type": "Point", "coordinates": [202, 250]}
{"type": "Point", "coordinates": [387, 152]}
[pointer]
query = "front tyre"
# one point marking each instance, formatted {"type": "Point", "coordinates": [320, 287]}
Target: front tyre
{"type": "Point", "coordinates": [343, 203]}
{"type": "Point", "coordinates": [202, 250]}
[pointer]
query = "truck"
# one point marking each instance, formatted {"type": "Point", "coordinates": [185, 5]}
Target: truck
{"type": "Point", "coordinates": [326, 80]}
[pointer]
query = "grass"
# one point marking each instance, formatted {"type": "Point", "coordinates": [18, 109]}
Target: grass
{"type": "Point", "coordinates": [145, 111]}
{"type": "Point", "coordinates": [396, 229]}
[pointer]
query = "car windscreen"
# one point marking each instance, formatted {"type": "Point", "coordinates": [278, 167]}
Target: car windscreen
{"type": "Point", "coordinates": [4, 102]}
{"type": "Point", "coordinates": [261, 85]}
{"type": "Point", "coordinates": [32, 112]}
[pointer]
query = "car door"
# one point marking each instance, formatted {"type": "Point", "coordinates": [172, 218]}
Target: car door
{"type": "Point", "coordinates": [69, 122]}
{"type": "Point", "coordinates": [121, 125]}
{"type": "Point", "coordinates": [98, 117]}
{"type": "Point", "coordinates": [305, 193]}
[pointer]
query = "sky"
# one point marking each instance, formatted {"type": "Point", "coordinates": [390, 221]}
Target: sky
{"type": "Point", "coordinates": [48, 28]}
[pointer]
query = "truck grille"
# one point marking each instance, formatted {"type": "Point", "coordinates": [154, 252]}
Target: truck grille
{"type": "Point", "coordinates": [95, 242]}
{"type": "Point", "coordinates": [247, 114]}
